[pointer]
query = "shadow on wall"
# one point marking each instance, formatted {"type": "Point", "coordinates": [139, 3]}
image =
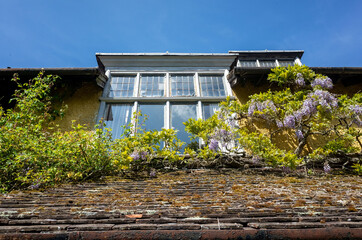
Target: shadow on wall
{"type": "Point", "coordinates": [83, 107]}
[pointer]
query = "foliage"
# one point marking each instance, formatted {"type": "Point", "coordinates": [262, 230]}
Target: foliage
{"type": "Point", "coordinates": [303, 105]}
{"type": "Point", "coordinates": [34, 153]}
{"type": "Point", "coordinates": [140, 149]}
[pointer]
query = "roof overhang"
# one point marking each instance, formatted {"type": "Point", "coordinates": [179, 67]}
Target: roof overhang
{"type": "Point", "coordinates": [164, 60]}
{"type": "Point", "coordinates": [75, 75]}
{"type": "Point", "coordinates": [257, 76]}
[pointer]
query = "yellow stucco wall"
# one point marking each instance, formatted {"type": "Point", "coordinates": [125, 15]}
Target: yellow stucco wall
{"type": "Point", "coordinates": [83, 106]}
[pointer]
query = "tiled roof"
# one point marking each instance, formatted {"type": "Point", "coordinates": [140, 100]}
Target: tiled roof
{"type": "Point", "coordinates": [200, 203]}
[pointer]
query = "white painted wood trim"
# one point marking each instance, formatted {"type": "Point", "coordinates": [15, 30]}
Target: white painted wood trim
{"type": "Point", "coordinates": [197, 84]}
{"type": "Point", "coordinates": [229, 92]}
{"type": "Point", "coordinates": [199, 110]}
{"type": "Point", "coordinates": [167, 116]}
{"type": "Point", "coordinates": [168, 85]}
{"type": "Point", "coordinates": [137, 86]}
{"type": "Point", "coordinates": [297, 61]}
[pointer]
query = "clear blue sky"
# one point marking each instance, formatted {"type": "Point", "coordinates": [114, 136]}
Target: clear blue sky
{"type": "Point", "coordinates": [68, 33]}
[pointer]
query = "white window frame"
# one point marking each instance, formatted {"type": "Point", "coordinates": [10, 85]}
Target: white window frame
{"type": "Point", "coordinates": [167, 98]}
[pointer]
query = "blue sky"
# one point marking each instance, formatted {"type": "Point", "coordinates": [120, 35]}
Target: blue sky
{"type": "Point", "coordinates": [68, 33]}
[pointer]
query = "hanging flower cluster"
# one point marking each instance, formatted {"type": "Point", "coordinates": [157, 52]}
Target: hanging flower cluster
{"type": "Point", "coordinates": [325, 83]}
{"type": "Point", "coordinates": [300, 80]}
{"type": "Point", "coordinates": [356, 114]}
{"type": "Point", "coordinates": [137, 155]}
{"type": "Point", "coordinates": [260, 107]}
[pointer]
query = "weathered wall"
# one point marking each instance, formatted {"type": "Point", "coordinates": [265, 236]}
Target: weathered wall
{"type": "Point", "coordinates": [286, 139]}
{"type": "Point", "coordinates": [83, 106]}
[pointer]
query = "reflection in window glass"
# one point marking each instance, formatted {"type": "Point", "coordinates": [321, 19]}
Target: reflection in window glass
{"type": "Point", "coordinates": [247, 63]}
{"type": "Point", "coordinates": [152, 85]}
{"type": "Point", "coordinates": [181, 113]}
{"type": "Point", "coordinates": [212, 86]}
{"type": "Point", "coordinates": [286, 63]}
{"type": "Point", "coordinates": [155, 116]}
{"type": "Point", "coordinates": [122, 86]}
{"type": "Point", "coordinates": [208, 109]}
{"type": "Point", "coordinates": [182, 85]}
{"type": "Point", "coordinates": [267, 63]}
{"type": "Point", "coordinates": [116, 117]}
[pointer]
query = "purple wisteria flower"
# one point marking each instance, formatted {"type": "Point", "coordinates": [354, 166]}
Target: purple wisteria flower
{"type": "Point", "coordinates": [327, 168]}
{"type": "Point", "coordinates": [325, 83]}
{"type": "Point", "coordinates": [325, 98]}
{"type": "Point", "coordinates": [214, 144]}
{"type": "Point", "coordinates": [135, 156]}
{"type": "Point", "coordinates": [153, 173]}
{"type": "Point", "coordinates": [251, 108]}
{"type": "Point", "coordinates": [289, 121]}
{"type": "Point", "coordinates": [261, 106]}
{"type": "Point", "coordinates": [299, 134]}
{"type": "Point", "coordinates": [300, 80]}
{"type": "Point", "coordinates": [143, 155]}
{"type": "Point", "coordinates": [279, 124]}
{"type": "Point", "coordinates": [286, 169]}
{"type": "Point", "coordinates": [256, 159]}
{"type": "Point", "coordinates": [357, 109]}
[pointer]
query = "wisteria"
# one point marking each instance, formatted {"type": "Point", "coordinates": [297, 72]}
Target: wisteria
{"type": "Point", "coordinates": [279, 124]}
{"type": "Point", "coordinates": [214, 144]}
{"type": "Point", "coordinates": [300, 80]}
{"type": "Point", "coordinates": [309, 107]}
{"type": "Point", "coordinates": [325, 98]}
{"type": "Point", "coordinates": [289, 121]}
{"type": "Point", "coordinates": [136, 155]}
{"type": "Point", "coordinates": [299, 134]}
{"type": "Point", "coordinates": [325, 83]}
{"type": "Point", "coordinates": [356, 109]}
{"type": "Point", "coordinates": [260, 106]}
{"type": "Point", "coordinates": [327, 168]}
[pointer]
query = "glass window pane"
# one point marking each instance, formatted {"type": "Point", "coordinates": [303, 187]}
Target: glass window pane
{"type": "Point", "coordinates": [267, 63]}
{"type": "Point", "coordinates": [122, 86]}
{"type": "Point", "coordinates": [154, 114]}
{"type": "Point", "coordinates": [208, 109]}
{"type": "Point", "coordinates": [285, 63]}
{"type": "Point", "coordinates": [152, 85]}
{"type": "Point", "coordinates": [247, 63]}
{"type": "Point", "coordinates": [212, 86]}
{"type": "Point", "coordinates": [181, 113]}
{"type": "Point", "coordinates": [116, 117]}
{"type": "Point", "coordinates": [182, 85]}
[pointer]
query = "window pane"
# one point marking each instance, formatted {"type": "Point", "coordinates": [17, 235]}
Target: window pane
{"type": "Point", "coordinates": [208, 109]}
{"type": "Point", "coordinates": [122, 86]}
{"type": "Point", "coordinates": [117, 116]}
{"type": "Point", "coordinates": [285, 63]}
{"type": "Point", "coordinates": [181, 113]}
{"type": "Point", "coordinates": [247, 63]}
{"type": "Point", "coordinates": [267, 63]}
{"type": "Point", "coordinates": [152, 85]}
{"type": "Point", "coordinates": [155, 116]}
{"type": "Point", "coordinates": [212, 86]}
{"type": "Point", "coordinates": [182, 85]}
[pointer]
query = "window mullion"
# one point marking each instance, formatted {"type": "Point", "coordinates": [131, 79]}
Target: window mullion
{"type": "Point", "coordinates": [197, 85]}
{"type": "Point", "coordinates": [167, 119]}
{"type": "Point", "coordinates": [226, 83]}
{"type": "Point", "coordinates": [168, 85]}
{"type": "Point", "coordinates": [137, 86]}
{"type": "Point", "coordinates": [133, 119]}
